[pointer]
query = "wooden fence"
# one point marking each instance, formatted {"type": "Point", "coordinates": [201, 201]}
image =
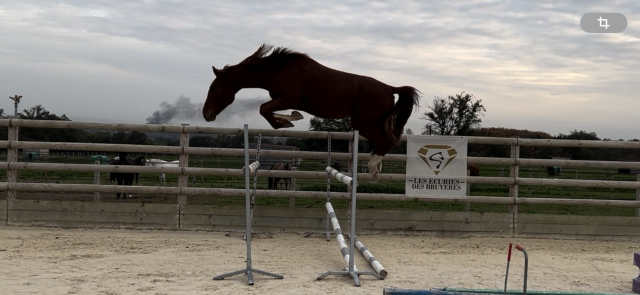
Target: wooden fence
{"type": "Point", "coordinates": [513, 180]}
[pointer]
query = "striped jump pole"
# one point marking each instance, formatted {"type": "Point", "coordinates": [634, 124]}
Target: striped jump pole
{"type": "Point", "coordinates": [353, 182]}
{"type": "Point", "coordinates": [252, 167]}
{"type": "Point", "coordinates": [248, 270]}
{"type": "Point", "coordinates": [339, 176]}
{"type": "Point", "coordinates": [372, 260]}
{"type": "Point", "coordinates": [338, 232]}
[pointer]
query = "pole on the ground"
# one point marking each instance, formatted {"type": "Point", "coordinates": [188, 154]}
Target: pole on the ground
{"type": "Point", "coordinates": [353, 182]}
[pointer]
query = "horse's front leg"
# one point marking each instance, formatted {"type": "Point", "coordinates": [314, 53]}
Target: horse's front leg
{"type": "Point", "coordinates": [119, 181]}
{"type": "Point", "coordinates": [129, 183]}
{"type": "Point", "coordinates": [294, 116]}
{"type": "Point", "coordinates": [278, 121]}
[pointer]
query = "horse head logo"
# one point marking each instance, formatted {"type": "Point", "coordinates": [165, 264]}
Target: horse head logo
{"type": "Point", "coordinates": [437, 157]}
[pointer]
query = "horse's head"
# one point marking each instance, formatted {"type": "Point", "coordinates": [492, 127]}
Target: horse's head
{"type": "Point", "coordinates": [221, 93]}
{"type": "Point", "coordinates": [141, 161]}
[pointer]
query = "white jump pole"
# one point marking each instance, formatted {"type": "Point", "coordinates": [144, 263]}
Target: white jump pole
{"type": "Point", "coordinates": [372, 260]}
{"type": "Point", "coordinates": [252, 167]}
{"type": "Point", "coordinates": [338, 231]}
{"type": "Point", "coordinates": [248, 270]}
{"type": "Point", "coordinates": [365, 252]}
{"type": "Point", "coordinates": [353, 182]}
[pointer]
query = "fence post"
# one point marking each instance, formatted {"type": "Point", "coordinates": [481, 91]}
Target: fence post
{"type": "Point", "coordinates": [575, 188]}
{"type": "Point", "coordinates": [530, 176]}
{"type": "Point", "coordinates": [45, 171]}
{"type": "Point", "coordinates": [195, 164]}
{"type": "Point", "coordinates": [611, 192]}
{"type": "Point", "coordinates": [637, 196]}
{"type": "Point", "coordinates": [466, 204]}
{"type": "Point", "coordinates": [513, 172]}
{"type": "Point", "coordinates": [292, 201]}
{"type": "Point", "coordinates": [183, 160]}
{"type": "Point", "coordinates": [201, 176]}
{"type": "Point", "coordinates": [12, 157]}
{"type": "Point", "coordinates": [96, 180]}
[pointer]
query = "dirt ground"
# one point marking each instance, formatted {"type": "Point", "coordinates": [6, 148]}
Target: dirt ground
{"type": "Point", "coordinates": [36, 260]}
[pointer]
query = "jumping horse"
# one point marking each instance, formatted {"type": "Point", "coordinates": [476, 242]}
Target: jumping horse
{"type": "Point", "coordinates": [297, 82]}
{"type": "Point", "coordinates": [125, 178]}
{"type": "Point", "coordinates": [273, 181]}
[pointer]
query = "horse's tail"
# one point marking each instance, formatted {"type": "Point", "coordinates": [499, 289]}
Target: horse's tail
{"type": "Point", "coordinates": [270, 182]}
{"type": "Point", "coordinates": [408, 97]}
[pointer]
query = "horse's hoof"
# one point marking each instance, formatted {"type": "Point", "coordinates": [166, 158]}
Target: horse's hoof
{"type": "Point", "coordinates": [375, 178]}
{"type": "Point", "coordinates": [287, 124]}
{"type": "Point", "coordinates": [295, 116]}
{"type": "Point", "coordinates": [280, 123]}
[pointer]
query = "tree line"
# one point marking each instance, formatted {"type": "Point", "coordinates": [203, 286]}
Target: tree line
{"type": "Point", "coordinates": [455, 115]}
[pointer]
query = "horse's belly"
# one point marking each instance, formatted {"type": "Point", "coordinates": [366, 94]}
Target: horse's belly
{"type": "Point", "coordinates": [348, 96]}
{"type": "Point", "coordinates": [328, 110]}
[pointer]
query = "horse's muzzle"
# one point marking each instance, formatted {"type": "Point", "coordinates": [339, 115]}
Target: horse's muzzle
{"type": "Point", "coordinates": [209, 116]}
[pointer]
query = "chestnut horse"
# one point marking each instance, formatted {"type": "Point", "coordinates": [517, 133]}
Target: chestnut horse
{"type": "Point", "coordinates": [297, 82]}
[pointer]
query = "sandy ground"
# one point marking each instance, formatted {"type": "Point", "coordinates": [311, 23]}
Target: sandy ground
{"type": "Point", "coordinates": [118, 261]}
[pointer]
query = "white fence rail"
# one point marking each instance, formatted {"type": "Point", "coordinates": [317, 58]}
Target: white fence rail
{"type": "Point", "coordinates": [13, 144]}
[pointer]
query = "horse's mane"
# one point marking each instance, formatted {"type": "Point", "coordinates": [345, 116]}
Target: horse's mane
{"type": "Point", "coordinates": [279, 54]}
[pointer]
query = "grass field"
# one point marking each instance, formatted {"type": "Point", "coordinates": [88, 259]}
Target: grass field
{"type": "Point", "coordinates": [151, 179]}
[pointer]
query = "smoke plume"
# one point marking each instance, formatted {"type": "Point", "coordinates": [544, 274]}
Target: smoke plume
{"type": "Point", "coordinates": [241, 107]}
{"type": "Point", "coordinates": [181, 109]}
{"type": "Point", "coordinates": [185, 110]}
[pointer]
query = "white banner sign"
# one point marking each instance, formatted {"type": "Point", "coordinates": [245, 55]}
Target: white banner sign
{"type": "Point", "coordinates": [436, 167]}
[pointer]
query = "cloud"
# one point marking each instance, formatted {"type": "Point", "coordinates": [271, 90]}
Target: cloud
{"type": "Point", "coordinates": [530, 61]}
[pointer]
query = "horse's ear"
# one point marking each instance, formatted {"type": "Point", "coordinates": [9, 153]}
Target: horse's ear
{"type": "Point", "coordinates": [217, 72]}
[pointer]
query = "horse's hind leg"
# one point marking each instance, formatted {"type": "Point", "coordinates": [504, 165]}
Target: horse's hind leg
{"type": "Point", "coordinates": [294, 116]}
{"type": "Point", "coordinates": [382, 146]}
{"type": "Point", "coordinates": [375, 166]}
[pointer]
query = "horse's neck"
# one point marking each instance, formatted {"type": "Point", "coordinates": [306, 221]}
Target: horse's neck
{"type": "Point", "coordinates": [262, 76]}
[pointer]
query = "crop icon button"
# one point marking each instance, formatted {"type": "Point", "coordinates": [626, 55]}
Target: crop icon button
{"type": "Point", "coordinates": [603, 22]}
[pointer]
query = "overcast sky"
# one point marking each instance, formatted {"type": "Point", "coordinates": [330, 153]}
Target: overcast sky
{"type": "Point", "coordinates": [125, 61]}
